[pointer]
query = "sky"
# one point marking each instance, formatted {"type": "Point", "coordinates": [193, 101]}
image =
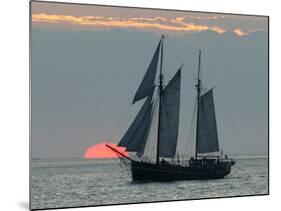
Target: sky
{"type": "Point", "coordinates": [87, 62]}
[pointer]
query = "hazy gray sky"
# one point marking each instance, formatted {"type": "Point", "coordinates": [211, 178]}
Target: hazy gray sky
{"type": "Point", "coordinates": [88, 61]}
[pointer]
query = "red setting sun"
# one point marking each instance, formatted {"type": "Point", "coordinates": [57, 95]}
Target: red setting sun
{"type": "Point", "coordinates": [102, 151]}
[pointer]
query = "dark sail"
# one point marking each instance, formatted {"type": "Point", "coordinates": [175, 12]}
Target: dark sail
{"type": "Point", "coordinates": [169, 124]}
{"type": "Point", "coordinates": [207, 126]}
{"type": "Point", "coordinates": [139, 138]}
{"type": "Point", "coordinates": [137, 132]}
{"type": "Point", "coordinates": [145, 135]}
{"type": "Point", "coordinates": [147, 84]}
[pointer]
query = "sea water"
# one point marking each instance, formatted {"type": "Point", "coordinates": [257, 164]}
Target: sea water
{"type": "Point", "coordinates": [71, 183]}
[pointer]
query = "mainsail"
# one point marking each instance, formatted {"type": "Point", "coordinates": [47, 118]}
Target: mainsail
{"type": "Point", "coordinates": [147, 84]}
{"type": "Point", "coordinates": [207, 126]}
{"type": "Point", "coordinates": [170, 107]}
{"type": "Point", "coordinates": [135, 137]}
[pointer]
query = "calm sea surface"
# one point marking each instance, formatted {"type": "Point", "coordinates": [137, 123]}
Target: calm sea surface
{"type": "Point", "coordinates": [98, 182]}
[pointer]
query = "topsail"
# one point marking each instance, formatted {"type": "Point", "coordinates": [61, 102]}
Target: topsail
{"type": "Point", "coordinates": [147, 84]}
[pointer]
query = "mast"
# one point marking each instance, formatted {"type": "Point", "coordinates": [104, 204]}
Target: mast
{"type": "Point", "coordinates": [160, 98]}
{"type": "Point", "coordinates": [198, 87]}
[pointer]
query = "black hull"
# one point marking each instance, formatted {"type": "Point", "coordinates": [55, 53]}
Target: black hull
{"type": "Point", "coordinates": [142, 171]}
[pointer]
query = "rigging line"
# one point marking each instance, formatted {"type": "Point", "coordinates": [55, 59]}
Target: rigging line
{"type": "Point", "coordinates": [185, 77]}
{"type": "Point", "coordinates": [180, 44]}
{"type": "Point", "coordinates": [118, 162]}
{"type": "Point", "coordinates": [189, 77]}
{"type": "Point", "coordinates": [180, 60]}
{"type": "Point", "coordinates": [118, 126]}
{"type": "Point", "coordinates": [172, 74]}
{"type": "Point", "coordinates": [176, 54]}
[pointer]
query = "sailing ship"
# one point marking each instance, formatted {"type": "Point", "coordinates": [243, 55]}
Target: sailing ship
{"type": "Point", "coordinates": [166, 101]}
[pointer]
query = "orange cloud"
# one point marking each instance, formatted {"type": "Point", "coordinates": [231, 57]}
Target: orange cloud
{"type": "Point", "coordinates": [239, 32]}
{"type": "Point", "coordinates": [174, 24]}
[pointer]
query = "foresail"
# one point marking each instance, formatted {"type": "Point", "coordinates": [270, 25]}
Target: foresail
{"type": "Point", "coordinates": [207, 126]}
{"type": "Point", "coordinates": [147, 84]}
{"type": "Point", "coordinates": [169, 124]}
{"type": "Point", "coordinates": [137, 132]}
{"type": "Point", "coordinates": [140, 136]}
